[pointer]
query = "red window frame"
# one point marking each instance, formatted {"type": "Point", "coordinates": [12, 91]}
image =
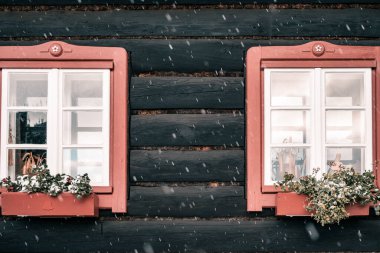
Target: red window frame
{"type": "Point", "coordinates": [317, 54]}
{"type": "Point", "coordinates": [57, 54]}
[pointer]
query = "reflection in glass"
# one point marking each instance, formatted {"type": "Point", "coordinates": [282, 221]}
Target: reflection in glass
{"type": "Point", "coordinates": [290, 126]}
{"type": "Point", "coordinates": [347, 156]}
{"type": "Point", "coordinates": [27, 127]}
{"type": "Point", "coordinates": [344, 89]}
{"type": "Point", "coordinates": [290, 88]}
{"type": "Point", "coordinates": [82, 127]}
{"type": "Point", "coordinates": [20, 160]}
{"type": "Point", "coordinates": [85, 160]}
{"type": "Point", "coordinates": [28, 89]}
{"type": "Point", "coordinates": [343, 126]}
{"type": "Point", "coordinates": [82, 89]}
{"type": "Point", "coordinates": [293, 160]}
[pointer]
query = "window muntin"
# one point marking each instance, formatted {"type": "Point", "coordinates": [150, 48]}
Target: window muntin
{"type": "Point", "coordinates": [62, 113]}
{"type": "Point", "coordinates": [324, 115]}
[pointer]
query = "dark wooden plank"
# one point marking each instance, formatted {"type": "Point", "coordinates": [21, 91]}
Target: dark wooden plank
{"type": "Point", "coordinates": [351, 22]}
{"type": "Point", "coordinates": [188, 55]}
{"type": "Point", "coordinates": [187, 201]}
{"type": "Point", "coordinates": [191, 235]}
{"type": "Point", "coordinates": [177, 2]}
{"type": "Point", "coordinates": [187, 92]}
{"type": "Point", "coordinates": [182, 166]}
{"type": "Point", "coordinates": [187, 129]}
{"type": "Point", "coordinates": [239, 235]}
{"type": "Point", "coordinates": [50, 235]}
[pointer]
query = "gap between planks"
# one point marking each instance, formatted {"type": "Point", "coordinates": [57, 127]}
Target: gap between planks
{"type": "Point", "coordinates": [304, 39]}
{"type": "Point", "coordinates": [154, 6]}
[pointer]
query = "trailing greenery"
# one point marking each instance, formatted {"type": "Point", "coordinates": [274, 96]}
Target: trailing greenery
{"type": "Point", "coordinates": [39, 179]}
{"type": "Point", "coordinates": [329, 195]}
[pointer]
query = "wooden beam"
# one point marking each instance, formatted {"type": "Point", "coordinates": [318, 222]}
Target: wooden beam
{"type": "Point", "coordinates": [187, 92]}
{"type": "Point", "coordinates": [188, 235]}
{"type": "Point", "coordinates": [187, 201]}
{"type": "Point", "coordinates": [188, 129]}
{"type": "Point", "coordinates": [177, 2]}
{"type": "Point", "coordinates": [350, 22]}
{"type": "Point", "coordinates": [186, 166]}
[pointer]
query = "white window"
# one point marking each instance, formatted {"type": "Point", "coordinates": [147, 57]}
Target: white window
{"type": "Point", "coordinates": [315, 116]}
{"type": "Point", "coordinates": [58, 114]}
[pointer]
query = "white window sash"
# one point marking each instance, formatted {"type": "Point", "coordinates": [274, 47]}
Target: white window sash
{"type": "Point", "coordinates": [317, 111]}
{"type": "Point", "coordinates": [54, 111]}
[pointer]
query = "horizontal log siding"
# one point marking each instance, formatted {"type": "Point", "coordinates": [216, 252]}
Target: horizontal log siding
{"type": "Point", "coordinates": [187, 124]}
{"type": "Point", "coordinates": [187, 166]}
{"type": "Point", "coordinates": [351, 22]}
{"type": "Point", "coordinates": [188, 235]}
{"type": "Point", "coordinates": [176, 2]}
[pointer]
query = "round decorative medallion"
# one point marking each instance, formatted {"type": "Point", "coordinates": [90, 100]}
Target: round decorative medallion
{"type": "Point", "coordinates": [55, 49]}
{"type": "Point", "coordinates": [318, 49]}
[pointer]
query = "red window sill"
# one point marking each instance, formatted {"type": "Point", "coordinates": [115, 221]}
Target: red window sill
{"type": "Point", "coordinates": [43, 205]}
{"type": "Point", "coordinates": [293, 204]}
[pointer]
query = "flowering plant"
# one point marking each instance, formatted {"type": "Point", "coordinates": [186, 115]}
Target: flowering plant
{"type": "Point", "coordinates": [328, 196]}
{"type": "Point", "coordinates": [39, 179]}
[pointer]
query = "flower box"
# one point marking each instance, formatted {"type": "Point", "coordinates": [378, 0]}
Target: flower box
{"type": "Point", "coordinates": [293, 204]}
{"type": "Point", "coordinates": [43, 205]}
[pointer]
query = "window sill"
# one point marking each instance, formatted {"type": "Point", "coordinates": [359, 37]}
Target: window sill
{"type": "Point", "coordinates": [43, 205]}
{"type": "Point", "coordinates": [292, 204]}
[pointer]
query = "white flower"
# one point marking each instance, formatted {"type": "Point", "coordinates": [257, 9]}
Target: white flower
{"type": "Point", "coordinates": [25, 183]}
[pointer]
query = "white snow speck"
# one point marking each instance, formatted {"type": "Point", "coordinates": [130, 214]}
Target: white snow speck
{"type": "Point", "coordinates": [167, 190]}
{"type": "Point", "coordinates": [148, 247]}
{"type": "Point", "coordinates": [168, 17]}
{"type": "Point", "coordinates": [312, 231]}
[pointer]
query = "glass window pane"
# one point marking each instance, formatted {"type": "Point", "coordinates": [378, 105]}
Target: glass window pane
{"type": "Point", "coordinates": [21, 160]}
{"type": "Point", "coordinates": [290, 88]}
{"type": "Point", "coordinates": [82, 127]}
{"type": "Point", "coordinates": [27, 127]}
{"type": "Point", "coordinates": [27, 89]}
{"type": "Point", "coordinates": [291, 160]}
{"type": "Point", "coordinates": [86, 160]}
{"type": "Point", "coordinates": [291, 126]}
{"type": "Point", "coordinates": [344, 89]}
{"type": "Point", "coordinates": [347, 156]}
{"type": "Point", "coordinates": [82, 89]}
{"type": "Point", "coordinates": [344, 126]}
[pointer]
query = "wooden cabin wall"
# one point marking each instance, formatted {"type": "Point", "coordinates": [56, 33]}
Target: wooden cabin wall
{"type": "Point", "coordinates": [187, 108]}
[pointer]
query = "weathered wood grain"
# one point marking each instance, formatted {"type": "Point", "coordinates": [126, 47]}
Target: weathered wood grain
{"type": "Point", "coordinates": [177, 2]}
{"type": "Point", "coordinates": [185, 166]}
{"type": "Point", "coordinates": [187, 92]}
{"type": "Point", "coordinates": [188, 55]}
{"type": "Point", "coordinates": [237, 235]}
{"type": "Point", "coordinates": [187, 129]}
{"type": "Point", "coordinates": [187, 201]}
{"type": "Point", "coordinates": [50, 235]}
{"type": "Point", "coordinates": [352, 22]}
{"type": "Point", "coordinates": [189, 235]}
